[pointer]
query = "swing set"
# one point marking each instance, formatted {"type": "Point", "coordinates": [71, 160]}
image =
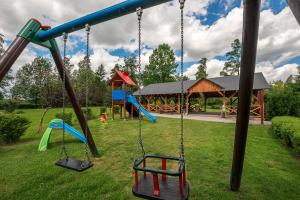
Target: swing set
{"type": "Point", "coordinates": [155, 183]}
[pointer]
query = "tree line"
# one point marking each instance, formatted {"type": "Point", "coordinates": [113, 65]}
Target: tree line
{"type": "Point", "coordinates": [38, 82]}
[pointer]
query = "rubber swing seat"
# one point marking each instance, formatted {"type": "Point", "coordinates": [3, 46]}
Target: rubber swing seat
{"type": "Point", "coordinates": [169, 189]}
{"type": "Point", "coordinates": [73, 164]}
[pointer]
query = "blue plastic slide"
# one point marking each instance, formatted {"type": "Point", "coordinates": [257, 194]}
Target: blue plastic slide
{"type": "Point", "coordinates": [58, 124]}
{"type": "Point", "coordinates": [132, 99]}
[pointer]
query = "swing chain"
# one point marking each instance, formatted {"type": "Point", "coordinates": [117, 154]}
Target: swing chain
{"type": "Point", "coordinates": [139, 13]}
{"type": "Point", "coordinates": [63, 149]}
{"type": "Point", "coordinates": [182, 89]}
{"type": "Point", "coordinates": [88, 30]}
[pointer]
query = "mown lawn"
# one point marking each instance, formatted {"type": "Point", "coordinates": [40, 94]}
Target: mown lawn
{"type": "Point", "coordinates": [271, 170]}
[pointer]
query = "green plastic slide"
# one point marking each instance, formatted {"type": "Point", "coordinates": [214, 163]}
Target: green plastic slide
{"type": "Point", "coordinates": [45, 139]}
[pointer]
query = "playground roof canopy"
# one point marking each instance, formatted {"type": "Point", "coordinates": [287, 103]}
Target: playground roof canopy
{"type": "Point", "coordinates": [120, 77]}
{"type": "Point", "coordinates": [227, 83]}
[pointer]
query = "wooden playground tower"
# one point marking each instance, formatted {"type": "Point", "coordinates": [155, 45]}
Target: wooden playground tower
{"type": "Point", "coordinates": [121, 86]}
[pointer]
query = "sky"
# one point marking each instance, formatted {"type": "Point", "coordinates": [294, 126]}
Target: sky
{"type": "Point", "coordinates": [210, 27]}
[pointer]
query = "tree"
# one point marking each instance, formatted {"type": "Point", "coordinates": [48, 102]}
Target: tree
{"type": "Point", "coordinates": [201, 69]}
{"type": "Point", "coordinates": [32, 82]}
{"type": "Point", "coordinates": [84, 78]}
{"type": "Point", "coordinates": [68, 66]}
{"type": "Point", "coordinates": [100, 86]}
{"type": "Point", "coordinates": [130, 66]}
{"type": "Point", "coordinates": [113, 70]}
{"type": "Point", "coordinates": [162, 66]}
{"type": "Point", "coordinates": [100, 73]}
{"type": "Point", "coordinates": [233, 63]}
{"type": "Point", "coordinates": [178, 77]}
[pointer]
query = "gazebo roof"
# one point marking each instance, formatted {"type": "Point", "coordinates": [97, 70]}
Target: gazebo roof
{"type": "Point", "coordinates": [227, 83]}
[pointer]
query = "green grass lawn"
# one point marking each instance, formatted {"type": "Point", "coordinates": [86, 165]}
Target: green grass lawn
{"type": "Point", "coordinates": [271, 171]}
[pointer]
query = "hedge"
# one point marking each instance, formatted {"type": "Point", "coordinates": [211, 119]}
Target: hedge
{"type": "Point", "coordinates": [287, 129]}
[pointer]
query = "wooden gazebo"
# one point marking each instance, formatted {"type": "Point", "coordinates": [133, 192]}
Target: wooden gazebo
{"type": "Point", "coordinates": [226, 88]}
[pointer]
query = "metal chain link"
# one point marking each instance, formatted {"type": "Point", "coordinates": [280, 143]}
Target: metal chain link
{"type": "Point", "coordinates": [63, 149]}
{"type": "Point", "coordinates": [139, 12]}
{"type": "Point", "coordinates": [182, 89]}
{"type": "Point", "coordinates": [88, 30]}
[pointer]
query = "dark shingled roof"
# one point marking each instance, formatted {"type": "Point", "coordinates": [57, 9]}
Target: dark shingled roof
{"type": "Point", "coordinates": [228, 83]}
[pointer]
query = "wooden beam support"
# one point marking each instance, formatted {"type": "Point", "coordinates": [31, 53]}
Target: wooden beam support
{"type": "Point", "coordinates": [262, 106]}
{"type": "Point", "coordinates": [70, 91]}
{"type": "Point", "coordinates": [178, 103]}
{"type": "Point", "coordinates": [248, 61]}
{"type": "Point", "coordinates": [112, 101]}
{"type": "Point", "coordinates": [295, 7]}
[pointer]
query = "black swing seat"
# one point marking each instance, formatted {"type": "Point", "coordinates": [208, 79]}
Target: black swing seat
{"type": "Point", "coordinates": [73, 164]}
{"type": "Point", "coordinates": [160, 183]}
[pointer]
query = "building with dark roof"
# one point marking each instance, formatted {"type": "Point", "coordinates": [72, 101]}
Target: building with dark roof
{"type": "Point", "coordinates": [226, 88]}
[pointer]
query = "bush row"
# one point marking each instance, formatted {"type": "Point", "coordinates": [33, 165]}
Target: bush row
{"type": "Point", "coordinates": [287, 129]}
{"type": "Point", "coordinates": [11, 105]}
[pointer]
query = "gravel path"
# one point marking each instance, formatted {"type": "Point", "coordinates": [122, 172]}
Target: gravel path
{"type": "Point", "coordinates": [210, 118]}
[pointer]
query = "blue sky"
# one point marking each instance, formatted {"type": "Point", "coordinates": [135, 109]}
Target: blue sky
{"type": "Point", "coordinates": [210, 27]}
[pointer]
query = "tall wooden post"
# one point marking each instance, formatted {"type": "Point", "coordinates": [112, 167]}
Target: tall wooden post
{"type": "Point", "coordinates": [124, 101]}
{"type": "Point", "coordinates": [70, 91]}
{"type": "Point", "coordinates": [205, 102]}
{"type": "Point", "coordinates": [155, 103]}
{"type": "Point", "coordinates": [179, 103]}
{"type": "Point", "coordinates": [112, 101]}
{"type": "Point", "coordinates": [187, 104]}
{"type": "Point", "coordinates": [295, 7]}
{"type": "Point", "coordinates": [248, 60]}
{"type": "Point", "coordinates": [148, 103]}
{"type": "Point", "coordinates": [262, 106]}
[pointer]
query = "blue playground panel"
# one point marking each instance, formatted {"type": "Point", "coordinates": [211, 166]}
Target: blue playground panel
{"type": "Point", "coordinates": [119, 95]}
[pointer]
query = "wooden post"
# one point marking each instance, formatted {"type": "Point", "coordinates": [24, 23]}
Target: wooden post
{"type": "Point", "coordinates": [179, 103]}
{"type": "Point", "coordinates": [155, 103]}
{"type": "Point", "coordinates": [131, 111]}
{"type": "Point", "coordinates": [295, 7]}
{"type": "Point", "coordinates": [248, 61]}
{"type": "Point", "coordinates": [187, 104]}
{"type": "Point", "coordinates": [205, 102]}
{"type": "Point", "coordinates": [121, 110]}
{"type": "Point", "coordinates": [112, 100]}
{"type": "Point", "coordinates": [262, 106]}
{"type": "Point", "coordinates": [73, 99]}
{"type": "Point", "coordinates": [124, 101]}
{"type": "Point", "coordinates": [148, 103]}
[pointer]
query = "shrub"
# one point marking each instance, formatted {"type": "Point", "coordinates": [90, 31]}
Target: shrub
{"type": "Point", "coordinates": [102, 110]}
{"type": "Point", "coordinates": [12, 127]}
{"type": "Point", "coordinates": [287, 128]}
{"type": "Point", "coordinates": [9, 106]}
{"type": "Point", "coordinates": [67, 118]}
{"type": "Point", "coordinates": [215, 107]}
{"type": "Point", "coordinates": [88, 113]}
{"type": "Point", "coordinates": [117, 109]}
{"type": "Point", "coordinates": [281, 100]}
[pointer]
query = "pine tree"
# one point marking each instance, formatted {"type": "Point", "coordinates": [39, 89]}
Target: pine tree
{"type": "Point", "coordinates": [201, 69]}
{"type": "Point", "coordinates": [233, 63]}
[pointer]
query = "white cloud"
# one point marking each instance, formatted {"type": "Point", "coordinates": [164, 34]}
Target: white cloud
{"type": "Point", "coordinates": [214, 67]}
{"type": "Point", "coordinates": [274, 74]}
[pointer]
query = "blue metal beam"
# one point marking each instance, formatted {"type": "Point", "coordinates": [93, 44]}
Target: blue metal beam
{"type": "Point", "coordinates": [106, 14]}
